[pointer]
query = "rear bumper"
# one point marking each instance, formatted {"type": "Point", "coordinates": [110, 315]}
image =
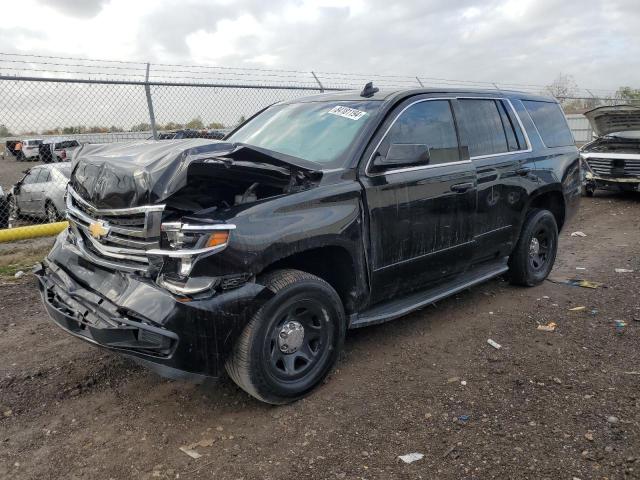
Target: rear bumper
{"type": "Point", "coordinates": [132, 316]}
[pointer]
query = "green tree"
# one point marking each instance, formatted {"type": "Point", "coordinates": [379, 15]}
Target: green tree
{"type": "Point", "coordinates": [628, 94]}
{"type": "Point", "coordinates": [241, 120]}
{"type": "Point", "coordinates": [4, 131]}
{"type": "Point", "coordinates": [141, 127]}
{"type": "Point", "coordinates": [171, 126]}
{"type": "Point", "coordinates": [195, 123]}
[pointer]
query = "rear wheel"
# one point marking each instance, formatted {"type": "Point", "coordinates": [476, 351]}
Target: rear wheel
{"type": "Point", "coordinates": [535, 253]}
{"type": "Point", "coordinates": [14, 212]}
{"type": "Point", "coordinates": [51, 212]}
{"type": "Point", "coordinates": [292, 342]}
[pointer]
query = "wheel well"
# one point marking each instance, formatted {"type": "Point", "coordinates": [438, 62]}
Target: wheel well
{"type": "Point", "coordinates": [552, 201]}
{"type": "Point", "coordinates": [332, 264]}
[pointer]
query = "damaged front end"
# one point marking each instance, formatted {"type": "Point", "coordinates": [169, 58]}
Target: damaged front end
{"type": "Point", "coordinates": [612, 161]}
{"type": "Point", "coordinates": [140, 269]}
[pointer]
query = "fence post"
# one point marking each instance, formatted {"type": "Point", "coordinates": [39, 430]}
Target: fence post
{"type": "Point", "coordinates": [319, 84]}
{"type": "Point", "coordinates": [152, 116]}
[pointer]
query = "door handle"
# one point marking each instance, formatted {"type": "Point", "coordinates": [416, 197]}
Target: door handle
{"type": "Point", "coordinates": [523, 172]}
{"type": "Point", "coordinates": [461, 187]}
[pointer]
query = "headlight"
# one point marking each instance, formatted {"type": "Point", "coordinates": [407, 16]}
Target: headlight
{"type": "Point", "coordinates": [186, 240]}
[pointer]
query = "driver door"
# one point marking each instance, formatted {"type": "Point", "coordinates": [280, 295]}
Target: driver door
{"type": "Point", "coordinates": [421, 214]}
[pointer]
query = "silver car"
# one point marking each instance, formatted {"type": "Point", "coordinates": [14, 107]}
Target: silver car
{"type": "Point", "coordinates": [40, 193]}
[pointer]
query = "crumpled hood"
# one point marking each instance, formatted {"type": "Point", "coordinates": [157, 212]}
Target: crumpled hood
{"type": "Point", "coordinates": [129, 174]}
{"type": "Point", "coordinates": [616, 118]}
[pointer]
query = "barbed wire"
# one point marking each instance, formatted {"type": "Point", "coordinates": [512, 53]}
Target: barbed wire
{"type": "Point", "coordinates": [76, 67]}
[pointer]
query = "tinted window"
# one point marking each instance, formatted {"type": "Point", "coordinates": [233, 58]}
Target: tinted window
{"type": "Point", "coordinates": [550, 122]}
{"type": "Point", "coordinates": [484, 127]}
{"type": "Point", "coordinates": [430, 123]}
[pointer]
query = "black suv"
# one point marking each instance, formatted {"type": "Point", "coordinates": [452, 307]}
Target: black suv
{"type": "Point", "coordinates": [256, 254]}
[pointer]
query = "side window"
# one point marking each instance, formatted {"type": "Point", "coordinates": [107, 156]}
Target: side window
{"type": "Point", "coordinates": [515, 137]}
{"type": "Point", "coordinates": [427, 123]}
{"type": "Point", "coordinates": [550, 122]}
{"type": "Point", "coordinates": [484, 127]}
{"type": "Point", "coordinates": [32, 177]}
{"type": "Point", "coordinates": [44, 176]}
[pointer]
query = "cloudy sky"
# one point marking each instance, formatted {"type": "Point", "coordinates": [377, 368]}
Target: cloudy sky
{"type": "Point", "coordinates": [524, 41]}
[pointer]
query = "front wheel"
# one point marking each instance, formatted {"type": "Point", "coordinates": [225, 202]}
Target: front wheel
{"type": "Point", "coordinates": [292, 342]}
{"type": "Point", "coordinates": [535, 253]}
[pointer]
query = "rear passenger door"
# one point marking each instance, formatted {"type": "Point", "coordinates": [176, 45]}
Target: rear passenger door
{"type": "Point", "coordinates": [500, 151]}
{"type": "Point", "coordinates": [420, 215]}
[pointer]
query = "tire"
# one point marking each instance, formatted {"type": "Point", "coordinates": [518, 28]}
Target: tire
{"type": "Point", "coordinates": [51, 212]}
{"type": "Point", "coordinates": [531, 261]}
{"type": "Point", "coordinates": [263, 364]}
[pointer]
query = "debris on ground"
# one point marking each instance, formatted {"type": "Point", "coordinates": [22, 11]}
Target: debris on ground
{"type": "Point", "coordinates": [549, 327]}
{"type": "Point", "coordinates": [589, 436]}
{"type": "Point", "coordinates": [620, 326]}
{"type": "Point", "coordinates": [19, 274]}
{"type": "Point", "coordinates": [190, 449]}
{"type": "Point", "coordinates": [411, 457]}
{"type": "Point", "coordinates": [494, 344]}
{"type": "Point", "coordinates": [577, 309]}
{"type": "Point", "coordinates": [578, 234]}
{"type": "Point", "coordinates": [623, 270]}
{"type": "Point", "coordinates": [612, 420]}
{"type": "Point", "coordinates": [576, 282]}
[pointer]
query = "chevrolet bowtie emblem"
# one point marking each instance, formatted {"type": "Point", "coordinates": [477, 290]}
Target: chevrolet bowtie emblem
{"type": "Point", "coordinates": [98, 229]}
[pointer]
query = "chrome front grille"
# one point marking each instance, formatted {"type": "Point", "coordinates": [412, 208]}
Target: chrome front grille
{"type": "Point", "coordinates": [117, 238]}
{"type": "Point", "coordinates": [617, 167]}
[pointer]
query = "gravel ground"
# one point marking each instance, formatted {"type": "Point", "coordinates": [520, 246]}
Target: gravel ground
{"type": "Point", "coordinates": [553, 405]}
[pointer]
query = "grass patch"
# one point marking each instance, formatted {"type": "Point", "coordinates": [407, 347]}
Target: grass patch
{"type": "Point", "coordinates": [12, 262]}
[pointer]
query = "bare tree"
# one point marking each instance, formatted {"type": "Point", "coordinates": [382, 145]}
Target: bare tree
{"type": "Point", "coordinates": [562, 87]}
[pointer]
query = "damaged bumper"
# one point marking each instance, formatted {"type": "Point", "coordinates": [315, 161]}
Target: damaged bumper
{"type": "Point", "coordinates": [612, 183]}
{"type": "Point", "coordinates": [131, 315]}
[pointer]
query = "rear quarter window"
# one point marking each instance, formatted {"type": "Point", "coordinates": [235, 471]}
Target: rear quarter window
{"type": "Point", "coordinates": [550, 122]}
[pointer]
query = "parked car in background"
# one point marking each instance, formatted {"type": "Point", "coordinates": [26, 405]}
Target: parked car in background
{"type": "Point", "coordinates": [31, 149]}
{"type": "Point", "coordinates": [612, 160]}
{"type": "Point", "coordinates": [320, 214]}
{"type": "Point", "coordinates": [4, 210]}
{"type": "Point", "coordinates": [40, 193]}
{"type": "Point", "coordinates": [58, 150]}
{"type": "Point", "coordinates": [190, 133]}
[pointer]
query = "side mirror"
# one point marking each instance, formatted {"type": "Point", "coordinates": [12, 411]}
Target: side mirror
{"type": "Point", "coordinates": [403, 154]}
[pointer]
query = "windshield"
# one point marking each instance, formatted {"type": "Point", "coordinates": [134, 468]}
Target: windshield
{"type": "Point", "coordinates": [320, 132]}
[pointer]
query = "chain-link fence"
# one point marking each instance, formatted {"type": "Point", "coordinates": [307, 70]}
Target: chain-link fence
{"type": "Point", "coordinates": [54, 105]}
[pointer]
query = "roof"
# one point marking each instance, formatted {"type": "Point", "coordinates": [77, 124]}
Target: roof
{"type": "Point", "coordinates": [396, 94]}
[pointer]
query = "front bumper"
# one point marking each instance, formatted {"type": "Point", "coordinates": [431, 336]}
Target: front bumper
{"type": "Point", "coordinates": [131, 315]}
{"type": "Point", "coordinates": [612, 183]}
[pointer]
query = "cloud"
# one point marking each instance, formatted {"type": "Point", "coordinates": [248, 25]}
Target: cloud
{"type": "Point", "coordinates": [76, 8]}
{"type": "Point", "coordinates": [504, 41]}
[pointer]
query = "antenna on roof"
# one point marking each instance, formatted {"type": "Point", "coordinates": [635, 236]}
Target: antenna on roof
{"type": "Point", "coordinates": [369, 90]}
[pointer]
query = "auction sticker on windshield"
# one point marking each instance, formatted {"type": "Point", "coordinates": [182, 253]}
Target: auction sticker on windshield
{"type": "Point", "coordinates": [346, 112]}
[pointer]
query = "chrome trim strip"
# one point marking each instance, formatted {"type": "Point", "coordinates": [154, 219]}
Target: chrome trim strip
{"type": "Point", "coordinates": [424, 167]}
{"type": "Point", "coordinates": [186, 252]}
{"type": "Point", "coordinates": [205, 228]}
{"type": "Point", "coordinates": [116, 211]}
{"type": "Point", "coordinates": [621, 156]}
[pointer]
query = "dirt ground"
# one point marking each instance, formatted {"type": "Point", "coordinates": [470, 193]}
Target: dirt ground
{"type": "Point", "coordinates": [558, 405]}
{"type": "Point", "coordinates": [11, 171]}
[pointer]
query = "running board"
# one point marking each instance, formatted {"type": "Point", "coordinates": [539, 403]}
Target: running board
{"type": "Point", "coordinates": [397, 308]}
